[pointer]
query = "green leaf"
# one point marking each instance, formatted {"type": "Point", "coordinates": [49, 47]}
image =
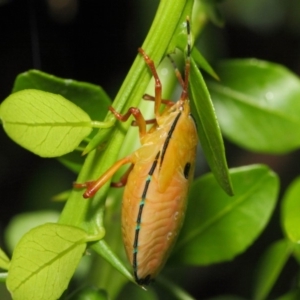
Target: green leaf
{"type": "Point", "coordinates": [44, 261]}
{"type": "Point", "coordinates": [257, 104]}
{"type": "Point", "coordinates": [89, 97]}
{"type": "Point", "coordinates": [44, 123]}
{"type": "Point", "coordinates": [203, 64]}
{"type": "Point", "coordinates": [22, 223]}
{"type": "Point", "coordinates": [4, 260]}
{"type": "Point", "coordinates": [270, 266]}
{"type": "Point", "coordinates": [218, 227]}
{"type": "Point", "coordinates": [290, 212]}
{"type": "Point", "coordinates": [208, 129]}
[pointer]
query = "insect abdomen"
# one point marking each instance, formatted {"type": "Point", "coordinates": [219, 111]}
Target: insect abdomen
{"type": "Point", "coordinates": [151, 223]}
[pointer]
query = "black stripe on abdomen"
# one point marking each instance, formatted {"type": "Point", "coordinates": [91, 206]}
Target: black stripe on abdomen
{"type": "Point", "coordinates": [166, 143]}
{"type": "Point", "coordinates": [145, 280]}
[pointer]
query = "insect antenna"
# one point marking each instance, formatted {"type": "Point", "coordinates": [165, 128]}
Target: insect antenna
{"type": "Point", "coordinates": [184, 83]}
{"type": "Point", "coordinates": [177, 72]}
{"type": "Point", "coordinates": [184, 94]}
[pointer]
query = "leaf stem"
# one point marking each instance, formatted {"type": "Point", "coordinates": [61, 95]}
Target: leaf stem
{"type": "Point", "coordinates": [98, 124]}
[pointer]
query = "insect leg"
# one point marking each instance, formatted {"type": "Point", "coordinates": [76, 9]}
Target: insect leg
{"type": "Point", "coordinates": [148, 97]}
{"type": "Point", "coordinates": [123, 179]}
{"type": "Point", "coordinates": [150, 121]}
{"type": "Point", "coordinates": [139, 119]}
{"type": "Point", "coordinates": [184, 83]}
{"type": "Point", "coordinates": [164, 101]}
{"type": "Point", "coordinates": [151, 65]}
{"type": "Point", "coordinates": [93, 186]}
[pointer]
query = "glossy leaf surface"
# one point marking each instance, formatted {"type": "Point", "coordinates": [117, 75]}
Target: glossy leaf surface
{"type": "Point", "coordinates": [290, 212]}
{"type": "Point", "coordinates": [219, 227]}
{"type": "Point", "coordinates": [208, 128]}
{"type": "Point", "coordinates": [44, 261]}
{"type": "Point", "coordinates": [44, 123]}
{"type": "Point", "coordinates": [258, 105]}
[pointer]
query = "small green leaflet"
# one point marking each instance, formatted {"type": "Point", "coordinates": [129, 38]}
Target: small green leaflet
{"type": "Point", "coordinates": [44, 123]}
{"type": "Point", "coordinates": [44, 261]}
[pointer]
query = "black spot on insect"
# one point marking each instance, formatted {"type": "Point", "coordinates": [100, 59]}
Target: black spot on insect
{"type": "Point", "coordinates": [186, 170]}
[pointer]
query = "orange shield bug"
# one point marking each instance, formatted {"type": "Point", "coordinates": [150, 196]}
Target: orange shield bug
{"type": "Point", "coordinates": [158, 180]}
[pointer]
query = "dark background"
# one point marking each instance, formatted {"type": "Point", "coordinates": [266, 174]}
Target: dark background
{"type": "Point", "coordinates": [96, 41]}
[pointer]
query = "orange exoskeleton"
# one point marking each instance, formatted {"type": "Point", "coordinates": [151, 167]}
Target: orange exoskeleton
{"type": "Point", "coordinates": [158, 180]}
